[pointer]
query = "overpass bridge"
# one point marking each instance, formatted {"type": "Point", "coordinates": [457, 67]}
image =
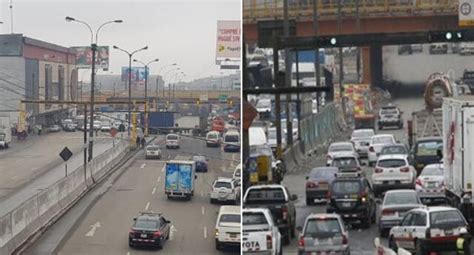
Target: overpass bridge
{"type": "Point", "coordinates": [260, 17]}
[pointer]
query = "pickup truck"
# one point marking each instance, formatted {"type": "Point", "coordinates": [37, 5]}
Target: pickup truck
{"type": "Point", "coordinates": [259, 232]}
{"type": "Point", "coordinates": [278, 200]}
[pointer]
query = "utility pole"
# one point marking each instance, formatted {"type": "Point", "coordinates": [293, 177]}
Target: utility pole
{"type": "Point", "coordinates": [341, 64]}
{"type": "Point", "coordinates": [289, 120]}
{"type": "Point", "coordinates": [317, 64]}
{"type": "Point", "coordinates": [358, 48]}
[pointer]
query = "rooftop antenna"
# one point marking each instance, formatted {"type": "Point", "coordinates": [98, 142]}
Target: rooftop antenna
{"type": "Point", "coordinates": [11, 15]}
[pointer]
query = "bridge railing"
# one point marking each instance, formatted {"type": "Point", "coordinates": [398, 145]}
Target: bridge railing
{"type": "Point", "coordinates": [254, 10]}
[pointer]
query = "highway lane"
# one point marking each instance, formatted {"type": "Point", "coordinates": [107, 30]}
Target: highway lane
{"type": "Point", "coordinates": [141, 188]}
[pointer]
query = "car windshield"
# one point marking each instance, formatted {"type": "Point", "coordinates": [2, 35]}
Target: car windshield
{"type": "Point", "coordinates": [446, 219]}
{"type": "Point", "coordinates": [254, 218]}
{"type": "Point", "coordinates": [340, 147]}
{"type": "Point", "coordinates": [382, 140]}
{"type": "Point", "coordinates": [432, 171]}
{"type": "Point", "coordinates": [223, 185]}
{"type": "Point", "coordinates": [229, 218]}
{"type": "Point", "coordinates": [344, 162]}
{"type": "Point", "coordinates": [393, 150]}
{"type": "Point", "coordinates": [397, 198]}
{"type": "Point", "coordinates": [147, 224]}
{"type": "Point", "coordinates": [231, 138]}
{"type": "Point", "coordinates": [345, 187]}
{"type": "Point", "coordinates": [212, 136]}
{"type": "Point", "coordinates": [389, 111]}
{"type": "Point", "coordinates": [322, 228]}
{"type": "Point", "coordinates": [391, 163]}
{"type": "Point", "coordinates": [153, 148]}
{"type": "Point", "coordinates": [362, 134]}
{"type": "Point", "coordinates": [323, 173]}
{"type": "Point", "coordinates": [428, 148]}
{"type": "Point", "coordinates": [172, 137]}
{"type": "Point", "coordinates": [265, 196]}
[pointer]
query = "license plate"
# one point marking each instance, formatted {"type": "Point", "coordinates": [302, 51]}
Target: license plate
{"type": "Point", "coordinates": [326, 241]}
{"type": "Point", "coordinates": [346, 204]}
{"type": "Point", "coordinates": [323, 186]}
{"type": "Point", "coordinates": [391, 182]}
{"type": "Point", "coordinates": [233, 235]}
{"type": "Point", "coordinates": [448, 232]}
{"type": "Point", "coordinates": [143, 235]}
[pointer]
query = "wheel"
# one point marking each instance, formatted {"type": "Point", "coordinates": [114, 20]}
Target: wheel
{"type": "Point", "coordinates": [374, 216]}
{"type": "Point", "coordinates": [366, 221]}
{"type": "Point", "coordinates": [419, 249]}
{"type": "Point", "coordinates": [218, 245]}
{"type": "Point", "coordinates": [213, 201]}
{"type": "Point", "coordinates": [309, 201]}
{"type": "Point", "coordinates": [286, 237]}
{"type": "Point", "coordinates": [392, 245]}
{"type": "Point", "coordinates": [292, 231]}
{"type": "Point", "coordinates": [281, 250]}
{"type": "Point", "coordinates": [383, 232]}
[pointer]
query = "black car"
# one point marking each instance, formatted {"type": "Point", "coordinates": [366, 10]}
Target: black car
{"type": "Point", "coordinates": [201, 163]}
{"type": "Point", "coordinates": [351, 196]}
{"type": "Point", "coordinates": [425, 152]}
{"type": "Point", "coordinates": [149, 229]}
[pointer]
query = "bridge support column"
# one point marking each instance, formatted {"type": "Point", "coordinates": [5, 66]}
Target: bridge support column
{"type": "Point", "coordinates": [372, 63]}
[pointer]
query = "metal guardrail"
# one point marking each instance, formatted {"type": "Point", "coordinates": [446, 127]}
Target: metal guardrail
{"type": "Point", "coordinates": [254, 10]}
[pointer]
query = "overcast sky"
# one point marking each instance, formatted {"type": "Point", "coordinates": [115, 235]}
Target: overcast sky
{"type": "Point", "coordinates": [181, 31]}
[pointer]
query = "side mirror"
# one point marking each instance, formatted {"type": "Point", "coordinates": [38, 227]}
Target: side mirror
{"type": "Point", "coordinates": [134, 219]}
{"type": "Point", "coordinates": [168, 221]}
{"type": "Point", "coordinates": [307, 177]}
{"type": "Point", "coordinates": [294, 197]}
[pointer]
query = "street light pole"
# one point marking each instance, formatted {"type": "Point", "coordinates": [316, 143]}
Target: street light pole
{"type": "Point", "coordinates": [94, 49]}
{"type": "Point", "coordinates": [130, 55]}
{"type": "Point", "coordinates": [159, 71]}
{"type": "Point", "coordinates": [146, 90]}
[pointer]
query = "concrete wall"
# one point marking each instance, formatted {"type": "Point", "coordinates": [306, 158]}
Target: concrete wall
{"type": "Point", "coordinates": [33, 214]}
{"type": "Point", "coordinates": [12, 84]}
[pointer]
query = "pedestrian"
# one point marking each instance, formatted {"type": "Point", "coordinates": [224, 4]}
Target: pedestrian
{"type": "Point", "coordinates": [463, 243]}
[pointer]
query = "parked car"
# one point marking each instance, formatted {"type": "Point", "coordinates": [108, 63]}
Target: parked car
{"type": "Point", "coordinates": [225, 190]}
{"type": "Point", "coordinates": [340, 148]}
{"type": "Point", "coordinates": [149, 229]}
{"type": "Point", "coordinates": [430, 183]}
{"type": "Point", "coordinates": [466, 48]}
{"type": "Point", "coordinates": [376, 145]}
{"type": "Point", "coordinates": [417, 48]}
{"type": "Point", "coordinates": [396, 203]}
{"type": "Point", "coordinates": [427, 229]}
{"type": "Point", "coordinates": [69, 127]}
{"type": "Point", "coordinates": [393, 172]}
{"type": "Point", "coordinates": [405, 49]}
{"type": "Point", "coordinates": [324, 233]}
{"type": "Point", "coordinates": [361, 140]}
{"type": "Point", "coordinates": [317, 183]}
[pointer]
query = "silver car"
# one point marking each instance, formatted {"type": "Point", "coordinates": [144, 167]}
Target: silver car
{"type": "Point", "coordinates": [336, 149]}
{"type": "Point", "coordinates": [430, 183]}
{"type": "Point", "coordinates": [323, 233]}
{"type": "Point", "coordinates": [396, 204]}
{"type": "Point", "coordinates": [361, 139]}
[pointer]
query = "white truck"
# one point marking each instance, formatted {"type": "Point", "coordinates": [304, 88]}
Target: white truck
{"type": "Point", "coordinates": [458, 151]}
{"type": "Point", "coordinates": [259, 232]}
{"type": "Point", "coordinates": [5, 132]}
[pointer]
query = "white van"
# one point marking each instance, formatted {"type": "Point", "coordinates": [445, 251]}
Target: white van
{"type": "Point", "coordinates": [228, 227]}
{"type": "Point", "coordinates": [232, 141]}
{"type": "Point", "coordinates": [213, 139]}
{"type": "Point", "coordinates": [172, 141]}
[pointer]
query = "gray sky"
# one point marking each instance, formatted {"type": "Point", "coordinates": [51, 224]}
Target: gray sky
{"type": "Point", "coordinates": [181, 31]}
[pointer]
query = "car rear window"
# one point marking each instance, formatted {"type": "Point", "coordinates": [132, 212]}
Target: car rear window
{"type": "Point", "coordinates": [229, 218]}
{"type": "Point", "coordinates": [254, 218]}
{"type": "Point", "coordinates": [265, 196]}
{"type": "Point", "coordinates": [428, 148]}
{"type": "Point", "coordinates": [153, 148]}
{"type": "Point", "coordinates": [323, 173]}
{"type": "Point", "coordinates": [322, 228]}
{"type": "Point", "coordinates": [391, 163]}
{"type": "Point", "coordinates": [446, 219]}
{"type": "Point", "coordinates": [146, 224]}
{"type": "Point", "coordinates": [344, 162]}
{"type": "Point", "coordinates": [340, 147]}
{"type": "Point", "coordinates": [389, 111]}
{"type": "Point", "coordinates": [382, 140]}
{"type": "Point", "coordinates": [432, 171]}
{"type": "Point", "coordinates": [400, 198]}
{"type": "Point", "coordinates": [393, 150]}
{"type": "Point", "coordinates": [223, 185]}
{"type": "Point", "coordinates": [212, 136]}
{"type": "Point", "coordinates": [231, 138]}
{"type": "Point", "coordinates": [361, 134]}
{"type": "Point", "coordinates": [172, 137]}
{"type": "Point", "coordinates": [346, 187]}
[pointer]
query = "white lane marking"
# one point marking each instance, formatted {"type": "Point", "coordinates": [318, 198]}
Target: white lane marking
{"type": "Point", "coordinates": [163, 169]}
{"type": "Point", "coordinates": [205, 232]}
{"type": "Point", "coordinates": [94, 227]}
{"type": "Point", "coordinates": [153, 191]}
{"type": "Point", "coordinates": [202, 210]}
{"type": "Point", "coordinates": [173, 230]}
{"type": "Point", "coordinates": [159, 178]}
{"type": "Point", "coordinates": [128, 253]}
{"type": "Point", "coordinates": [143, 165]}
{"type": "Point", "coordinates": [147, 206]}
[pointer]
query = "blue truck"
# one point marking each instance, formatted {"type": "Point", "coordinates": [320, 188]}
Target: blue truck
{"type": "Point", "coordinates": [180, 176]}
{"type": "Point", "coordinates": [157, 120]}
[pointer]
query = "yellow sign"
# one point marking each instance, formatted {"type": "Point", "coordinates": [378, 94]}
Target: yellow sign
{"type": "Point", "coordinates": [254, 177]}
{"type": "Point", "coordinates": [263, 166]}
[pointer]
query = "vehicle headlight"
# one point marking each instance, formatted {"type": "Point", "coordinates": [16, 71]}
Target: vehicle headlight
{"type": "Point", "coordinates": [217, 232]}
{"type": "Point", "coordinates": [364, 199]}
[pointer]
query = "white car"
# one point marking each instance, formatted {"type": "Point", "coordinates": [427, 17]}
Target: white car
{"type": "Point", "coordinates": [361, 139]}
{"type": "Point", "coordinates": [153, 151]}
{"type": "Point", "coordinates": [227, 232]}
{"type": "Point", "coordinates": [340, 148]}
{"type": "Point", "coordinates": [237, 172]}
{"type": "Point", "coordinates": [346, 162]}
{"type": "Point", "coordinates": [105, 127]}
{"type": "Point", "coordinates": [430, 183]}
{"type": "Point", "coordinates": [172, 141]}
{"type": "Point", "coordinates": [376, 144]}
{"type": "Point", "coordinates": [225, 190]}
{"type": "Point", "coordinates": [393, 172]}
{"type": "Point", "coordinates": [428, 229]}
{"type": "Point", "coordinates": [260, 234]}
{"type": "Point", "coordinates": [97, 125]}
{"type": "Point", "coordinates": [213, 139]}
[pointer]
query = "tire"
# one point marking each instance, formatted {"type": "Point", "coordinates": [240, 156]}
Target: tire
{"type": "Point", "coordinates": [366, 221]}
{"type": "Point", "coordinates": [287, 237]}
{"type": "Point", "coordinates": [218, 245]}
{"type": "Point", "coordinates": [383, 232]}
{"type": "Point", "coordinates": [213, 201]}
{"type": "Point", "coordinates": [281, 250]}
{"type": "Point", "coordinates": [392, 245]}
{"type": "Point", "coordinates": [419, 249]}
{"type": "Point", "coordinates": [292, 231]}
{"type": "Point", "coordinates": [309, 201]}
{"type": "Point", "coordinates": [374, 216]}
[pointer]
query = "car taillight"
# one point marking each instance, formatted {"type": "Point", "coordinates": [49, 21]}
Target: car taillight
{"type": "Point", "coordinates": [285, 213]}
{"type": "Point", "coordinates": [131, 232]}
{"type": "Point", "coordinates": [378, 170]}
{"type": "Point", "coordinates": [301, 242]}
{"type": "Point", "coordinates": [269, 242]}
{"type": "Point", "coordinates": [387, 212]}
{"type": "Point", "coordinates": [418, 182]}
{"type": "Point", "coordinates": [328, 195]}
{"type": "Point", "coordinates": [344, 239]}
{"type": "Point", "coordinates": [405, 169]}
{"type": "Point", "coordinates": [371, 149]}
{"type": "Point", "coordinates": [157, 234]}
{"type": "Point", "coordinates": [311, 185]}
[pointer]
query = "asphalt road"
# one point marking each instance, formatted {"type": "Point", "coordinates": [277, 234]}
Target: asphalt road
{"type": "Point", "coordinates": [104, 229]}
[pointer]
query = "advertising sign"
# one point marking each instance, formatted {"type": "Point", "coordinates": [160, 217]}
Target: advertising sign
{"type": "Point", "coordinates": [84, 57]}
{"type": "Point", "coordinates": [228, 40]}
{"type": "Point", "coordinates": [466, 13]}
{"type": "Point", "coordinates": [138, 74]}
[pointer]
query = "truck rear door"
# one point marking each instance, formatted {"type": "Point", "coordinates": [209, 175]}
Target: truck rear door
{"type": "Point", "coordinates": [185, 181]}
{"type": "Point", "coordinates": [172, 177]}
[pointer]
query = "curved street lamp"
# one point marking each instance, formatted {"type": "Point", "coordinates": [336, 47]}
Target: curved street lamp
{"type": "Point", "coordinates": [94, 49]}
{"type": "Point", "coordinates": [146, 89]}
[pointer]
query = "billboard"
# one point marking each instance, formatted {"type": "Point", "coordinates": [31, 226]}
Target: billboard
{"type": "Point", "coordinates": [466, 14]}
{"type": "Point", "coordinates": [228, 40]}
{"type": "Point", "coordinates": [84, 57]}
{"type": "Point", "coordinates": [138, 74]}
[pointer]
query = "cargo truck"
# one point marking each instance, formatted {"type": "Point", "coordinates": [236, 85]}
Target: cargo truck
{"type": "Point", "coordinates": [458, 151]}
{"type": "Point", "coordinates": [157, 120]}
{"type": "Point", "coordinates": [180, 176]}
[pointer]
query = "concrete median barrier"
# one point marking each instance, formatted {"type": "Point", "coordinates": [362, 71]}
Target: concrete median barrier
{"type": "Point", "coordinates": [17, 226]}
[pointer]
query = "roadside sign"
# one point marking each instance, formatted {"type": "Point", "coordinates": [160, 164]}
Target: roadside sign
{"type": "Point", "coordinates": [466, 13]}
{"type": "Point", "coordinates": [113, 132]}
{"type": "Point", "coordinates": [223, 98]}
{"type": "Point", "coordinates": [65, 154]}
{"type": "Point", "coordinates": [249, 116]}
